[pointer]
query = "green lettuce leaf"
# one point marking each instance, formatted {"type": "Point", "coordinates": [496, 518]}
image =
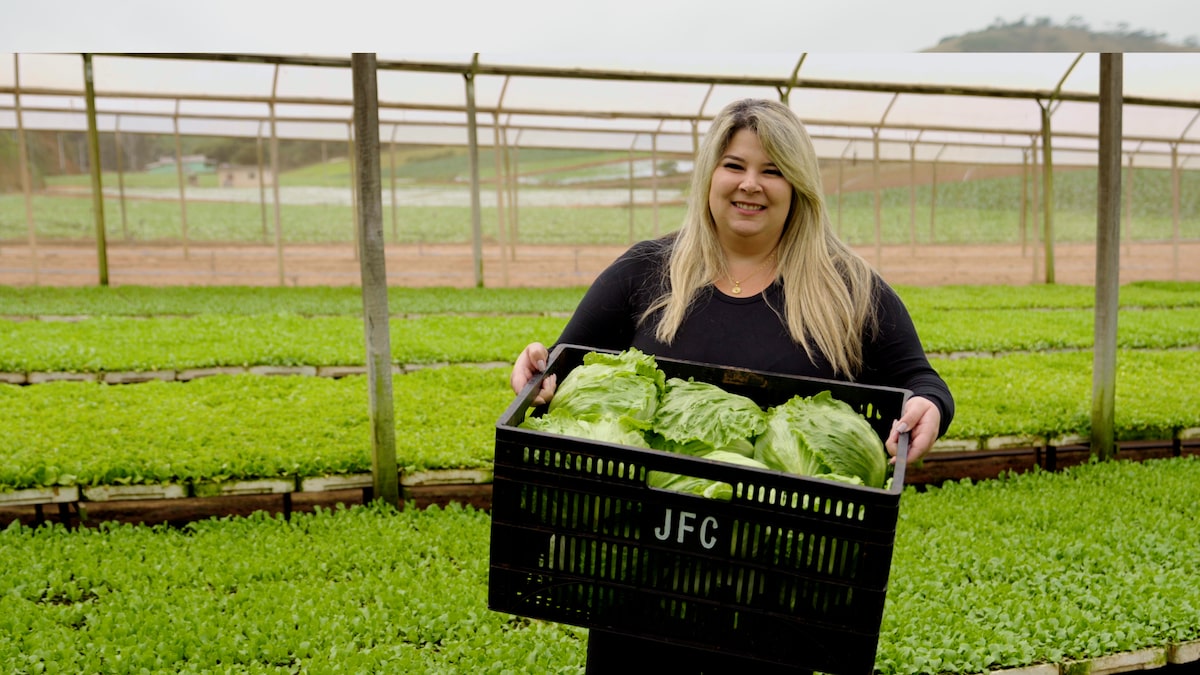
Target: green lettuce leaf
{"type": "Point", "coordinates": [607, 385]}
{"type": "Point", "coordinates": [823, 437]}
{"type": "Point", "coordinates": [609, 429]}
{"type": "Point", "coordinates": [695, 418]}
{"type": "Point", "coordinates": [713, 489]}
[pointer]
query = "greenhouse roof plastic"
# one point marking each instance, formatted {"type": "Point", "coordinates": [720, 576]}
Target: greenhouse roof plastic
{"type": "Point", "coordinates": [923, 106]}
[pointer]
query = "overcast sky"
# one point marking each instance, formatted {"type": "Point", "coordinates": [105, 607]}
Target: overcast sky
{"type": "Point", "coordinates": [430, 27]}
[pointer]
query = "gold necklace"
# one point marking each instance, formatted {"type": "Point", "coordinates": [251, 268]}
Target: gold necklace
{"type": "Point", "coordinates": [737, 285]}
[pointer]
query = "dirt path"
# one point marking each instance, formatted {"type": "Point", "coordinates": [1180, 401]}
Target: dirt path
{"type": "Point", "coordinates": [544, 266]}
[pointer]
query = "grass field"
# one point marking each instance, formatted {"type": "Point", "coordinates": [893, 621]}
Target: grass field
{"type": "Point", "coordinates": [979, 211]}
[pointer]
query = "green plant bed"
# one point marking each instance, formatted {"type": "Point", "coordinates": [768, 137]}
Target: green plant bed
{"type": "Point", "coordinates": [1138, 294]}
{"type": "Point", "coordinates": [363, 590]}
{"type": "Point", "coordinates": [121, 344]}
{"type": "Point", "coordinates": [1031, 569]}
{"type": "Point", "coordinates": [34, 301]}
{"type": "Point", "coordinates": [240, 427]}
{"type": "Point", "coordinates": [1044, 567]}
{"type": "Point", "coordinates": [249, 427]}
{"type": "Point", "coordinates": [1005, 330]}
{"type": "Point", "coordinates": [1050, 395]}
{"type": "Point", "coordinates": [37, 301]}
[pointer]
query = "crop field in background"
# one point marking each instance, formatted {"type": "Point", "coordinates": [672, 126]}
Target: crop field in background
{"type": "Point", "coordinates": [572, 216]}
{"type": "Point", "coordinates": [317, 208]}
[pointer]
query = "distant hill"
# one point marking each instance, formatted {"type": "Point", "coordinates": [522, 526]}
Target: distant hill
{"type": "Point", "coordinates": [1042, 35]}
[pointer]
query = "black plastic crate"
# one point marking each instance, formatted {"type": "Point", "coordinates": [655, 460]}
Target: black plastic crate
{"type": "Point", "coordinates": [791, 571]}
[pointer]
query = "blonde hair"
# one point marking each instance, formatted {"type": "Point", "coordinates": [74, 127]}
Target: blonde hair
{"type": "Point", "coordinates": [827, 287]}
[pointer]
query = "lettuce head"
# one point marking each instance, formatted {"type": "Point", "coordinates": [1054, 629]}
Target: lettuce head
{"type": "Point", "coordinates": [606, 385]}
{"type": "Point", "coordinates": [609, 429]}
{"type": "Point", "coordinates": [695, 418]}
{"type": "Point", "coordinates": [823, 437]}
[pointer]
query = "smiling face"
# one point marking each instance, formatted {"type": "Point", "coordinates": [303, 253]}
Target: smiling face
{"type": "Point", "coordinates": [749, 198]}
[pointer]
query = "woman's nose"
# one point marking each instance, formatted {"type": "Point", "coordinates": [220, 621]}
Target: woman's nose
{"type": "Point", "coordinates": [749, 185]}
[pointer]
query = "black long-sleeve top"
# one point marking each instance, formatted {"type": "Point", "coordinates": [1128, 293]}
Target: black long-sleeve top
{"type": "Point", "coordinates": [744, 332]}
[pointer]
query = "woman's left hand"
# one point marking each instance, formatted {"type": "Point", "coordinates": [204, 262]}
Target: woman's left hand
{"type": "Point", "coordinates": [921, 418]}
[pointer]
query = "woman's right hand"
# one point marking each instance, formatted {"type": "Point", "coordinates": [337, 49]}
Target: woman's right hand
{"type": "Point", "coordinates": [530, 362]}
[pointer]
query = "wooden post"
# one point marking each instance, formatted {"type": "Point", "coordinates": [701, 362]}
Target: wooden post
{"type": "Point", "coordinates": [933, 185]}
{"type": "Point", "coordinates": [1108, 247]}
{"type": "Point", "coordinates": [473, 162]}
{"type": "Point", "coordinates": [1035, 204]}
{"type": "Point", "coordinates": [631, 199]}
{"type": "Point", "coordinates": [23, 167]}
{"type": "Point", "coordinates": [275, 179]}
{"type": "Point", "coordinates": [878, 198]}
{"type": "Point", "coordinates": [841, 186]}
{"type": "Point", "coordinates": [183, 224]}
{"type": "Point", "coordinates": [500, 189]}
{"type": "Point", "coordinates": [1175, 193]}
{"type": "Point", "coordinates": [933, 198]}
{"type": "Point", "coordinates": [97, 185]}
{"type": "Point", "coordinates": [912, 196]}
{"type": "Point", "coordinates": [120, 178]}
{"type": "Point", "coordinates": [395, 206]}
{"type": "Point", "coordinates": [1127, 231]}
{"type": "Point", "coordinates": [262, 184]}
{"type": "Point", "coordinates": [512, 161]}
{"type": "Point", "coordinates": [353, 160]}
{"type": "Point", "coordinates": [1047, 196]}
{"type": "Point", "coordinates": [654, 178]}
{"type": "Point", "coordinates": [499, 159]}
{"type": "Point", "coordinates": [1024, 200]}
{"type": "Point", "coordinates": [374, 280]}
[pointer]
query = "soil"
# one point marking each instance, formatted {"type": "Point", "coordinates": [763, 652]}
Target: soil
{"type": "Point", "coordinates": [546, 266]}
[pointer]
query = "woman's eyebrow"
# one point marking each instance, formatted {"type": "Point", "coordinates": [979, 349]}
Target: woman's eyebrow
{"type": "Point", "coordinates": [736, 158]}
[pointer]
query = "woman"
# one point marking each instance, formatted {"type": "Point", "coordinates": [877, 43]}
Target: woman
{"type": "Point", "coordinates": [756, 278]}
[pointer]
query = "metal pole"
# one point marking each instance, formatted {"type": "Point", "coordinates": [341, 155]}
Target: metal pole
{"type": "Point", "coordinates": [395, 207]}
{"type": "Point", "coordinates": [1108, 247]}
{"type": "Point", "coordinates": [912, 196]}
{"type": "Point", "coordinates": [510, 170]}
{"type": "Point", "coordinates": [182, 187]}
{"type": "Point", "coordinates": [374, 281]}
{"type": "Point", "coordinates": [878, 198]}
{"type": "Point", "coordinates": [878, 188]}
{"type": "Point", "coordinates": [94, 157]}
{"type": "Point", "coordinates": [1035, 224]}
{"type": "Point", "coordinates": [500, 186]}
{"type": "Point", "coordinates": [120, 178]}
{"type": "Point", "coordinates": [23, 167]}
{"type": "Point", "coordinates": [473, 161]}
{"type": "Point", "coordinates": [275, 178]}
{"type": "Point", "coordinates": [841, 185]}
{"type": "Point", "coordinates": [1024, 200]}
{"type": "Point", "coordinates": [933, 199]}
{"type": "Point", "coordinates": [654, 177]}
{"type": "Point", "coordinates": [353, 160]}
{"type": "Point", "coordinates": [631, 200]}
{"type": "Point", "coordinates": [1127, 231]}
{"type": "Point", "coordinates": [262, 184]}
{"type": "Point", "coordinates": [1047, 195]}
{"type": "Point", "coordinates": [1175, 210]}
{"type": "Point", "coordinates": [1048, 172]}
